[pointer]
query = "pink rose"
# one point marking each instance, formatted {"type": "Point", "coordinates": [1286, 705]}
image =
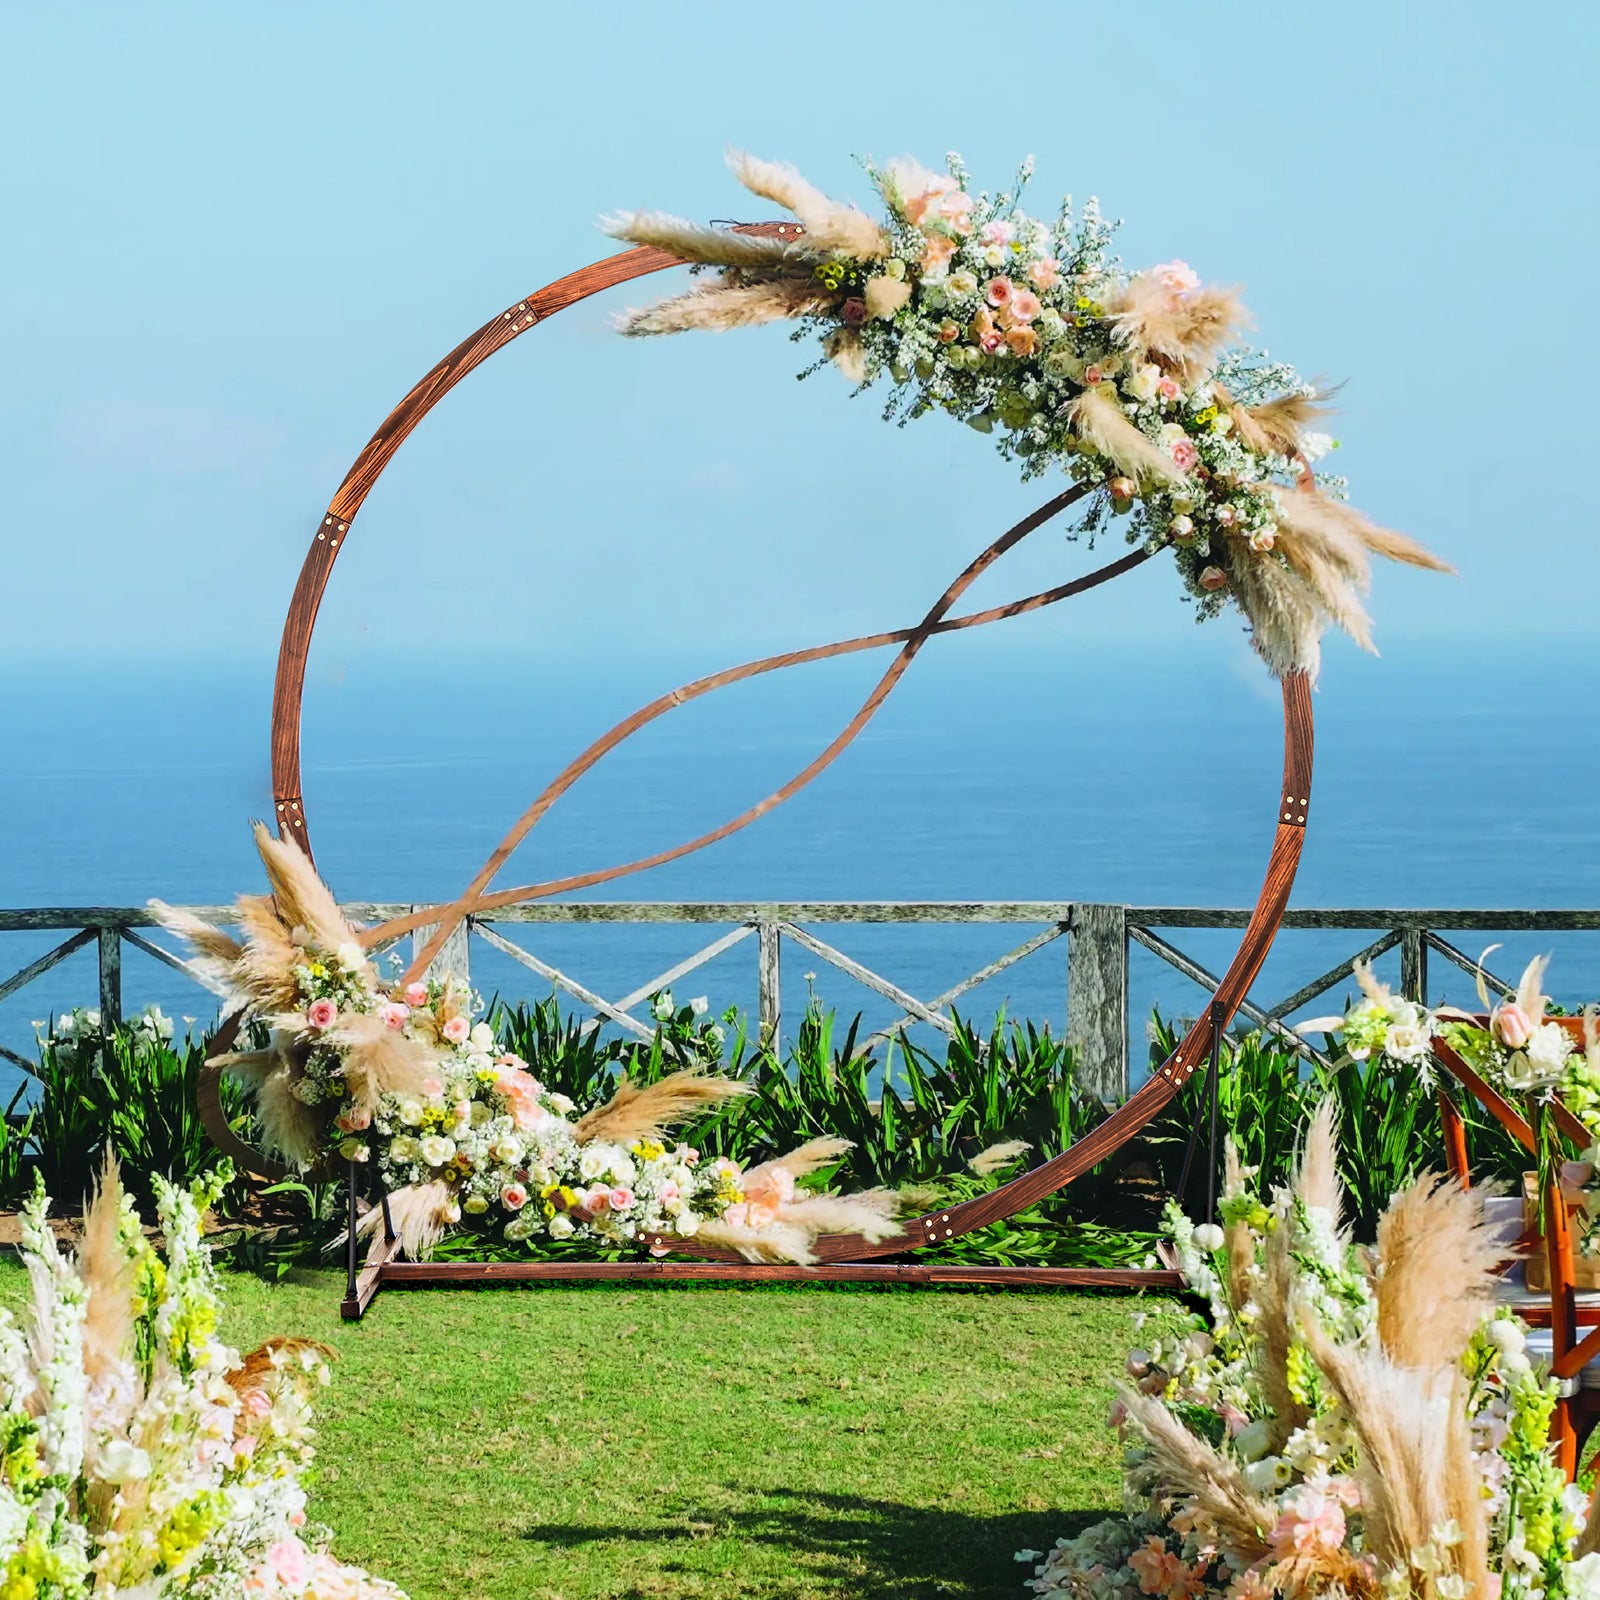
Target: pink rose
{"type": "Point", "coordinates": [1213, 578]}
{"type": "Point", "coordinates": [355, 1120]}
{"type": "Point", "coordinates": [954, 208]}
{"type": "Point", "coordinates": [688, 1155]}
{"type": "Point", "coordinates": [1025, 305]}
{"type": "Point", "coordinates": [1176, 277]}
{"type": "Point", "coordinates": [432, 1086]}
{"type": "Point", "coordinates": [322, 1013]}
{"type": "Point", "coordinates": [513, 1197]}
{"type": "Point", "coordinates": [1093, 374]}
{"type": "Point", "coordinates": [289, 1562]}
{"type": "Point", "coordinates": [1168, 390]}
{"type": "Point", "coordinates": [998, 291]}
{"type": "Point", "coordinates": [621, 1198]}
{"type": "Point", "coordinates": [854, 312]}
{"type": "Point", "coordinates": [1044, 272]}
{"type": "Point", "coordinates": [997, 232]}
{"type": "Point", "coordinates": [949, 331]}
{"type": "Point", "coordinates": [1021, 341]}
{"type": "Point", "coordinates": [457, 1030]}
{"type": "Point", "coordinates": [297, 1518]}
{"type": "Point", "coordinates": [1122, 488]}
{"type": "Point", "coordinates": [776, 1183]}
{"type": "Point", "coordinates": [416, 994]}
{"type": "Point", "coordinates": [597, 1199]}
{"type": "Point", "coordinates": [393, 1015]}
{"type": "Point", "coordinates": [1226, 516]}
{"type": "Point", "coordinates": [1262, 540]}
{"type": "Point", "coordinates": [670, 1190]}
{"type": "Point", "coordinates": [1512, 1025]}
{"type": "Point", "coordinates": [1184, 455]}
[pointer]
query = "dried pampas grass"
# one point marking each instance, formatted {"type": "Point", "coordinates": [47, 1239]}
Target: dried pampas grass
{"type": "Point", "coordinates": [303, 902]}
{"type": "Point", "coordinates": [420, 1213]}
{"type": "Point", "coordinates": [998, 1157]}
{"type": "Point", "coordinates": [1186, 1468]}
{"type": "Point", "coordinates": [217, 954]}
{"type": "Point", "coordinates": [1436, 1272]}
{"type": "Point", "coordinates": [107, 1271]}
{"type": "Point", "coordinates": [723, 306]}
{"type": "Point", "coordinates": [379, 1060]}
{"type": "Point", "coordinates": [1276, 427]}
{"type": "Point", "coordinates": [778, 1242]}
{"type": "Point", "coordinates": [809, 1157]}
{"type": "Point", "coordinates": [694, 241]}
{"type": "Point", "coordinates": [1098, 419]}
{"type": "Point", "coordinates": [289, 1127]}
{"type": "Point", "coordinates": [1181, 332]}
{"type": "Point", "coordinates": [1316, 1182]}
{"type": "Point", "coordinates": [831, 225]}
{"type": "Point", "coordinates": [632, 1114]}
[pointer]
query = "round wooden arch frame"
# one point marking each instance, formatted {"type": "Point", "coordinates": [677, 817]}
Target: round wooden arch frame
{"type": "Point", "coordinates": [849, 1257]}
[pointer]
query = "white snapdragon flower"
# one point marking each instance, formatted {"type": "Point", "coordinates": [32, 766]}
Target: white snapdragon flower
{"type": "Point", "coordinates": [662, 1008]}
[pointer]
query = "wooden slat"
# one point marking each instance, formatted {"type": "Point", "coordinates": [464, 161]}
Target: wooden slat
{"type": "Point", "coordinates": [689, 963]}
{"type": "Point", "coordinates": [177, 963]}
{"type": "Point", "coordinates": [981, 976]}
{"type": "Point", "coordinates": [457, 1273]}
{"type": "Point", "coordinates": [21, 1062]}
{"type": "Point", "coordinates": [562, 981]}
{"type": "Point", "coordinates": [1461, 959]}
{"type": "Point", "coordinates": [1287, 1008]}
{"type": "Point", "coordinates": [867, 977]}
{"type": "Point", "coordinates": [34, 969]}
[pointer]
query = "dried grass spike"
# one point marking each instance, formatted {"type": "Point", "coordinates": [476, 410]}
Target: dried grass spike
{"type": "Point", "coordinates": [632, 1114]}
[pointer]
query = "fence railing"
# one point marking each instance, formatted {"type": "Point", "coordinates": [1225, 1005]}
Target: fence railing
{"type": "Point", "coordinates": [1098, 939]}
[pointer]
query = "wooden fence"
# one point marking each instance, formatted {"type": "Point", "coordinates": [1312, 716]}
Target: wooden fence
{"type": "Point", "coordinates": [1098, 939]}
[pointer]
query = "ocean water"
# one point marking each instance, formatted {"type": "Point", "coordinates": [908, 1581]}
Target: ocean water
{"type": "Point", "coordinates": [1460, 775]}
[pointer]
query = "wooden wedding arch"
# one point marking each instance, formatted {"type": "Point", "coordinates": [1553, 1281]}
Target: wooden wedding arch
{"type": "Point", "coordinates": [849, 1258]}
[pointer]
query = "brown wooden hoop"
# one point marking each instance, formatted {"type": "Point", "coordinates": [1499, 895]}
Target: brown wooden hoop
{"type": "Point", "coordinates": [840, 1257]}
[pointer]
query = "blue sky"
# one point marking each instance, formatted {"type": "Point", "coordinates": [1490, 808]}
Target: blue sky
{"type": "Point", "coordinates": [237, 235]}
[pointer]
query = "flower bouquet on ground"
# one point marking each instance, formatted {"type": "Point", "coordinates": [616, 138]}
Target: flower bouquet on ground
{"type": "Point", "coordinates": [142, 1458]}
{"type": "Point", "coordinates": [404, 1079]}
{"type": "Point", "coordinates": [1346, 1423]}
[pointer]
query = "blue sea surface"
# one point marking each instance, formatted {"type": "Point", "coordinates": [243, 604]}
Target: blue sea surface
{"type": "Point", "coordinates": [1463, 775]}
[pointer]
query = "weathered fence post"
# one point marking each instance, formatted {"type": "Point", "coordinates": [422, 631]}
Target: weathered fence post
{"type": "Point", "coordinates": [770, 1008]}
{"type": "Point", "coordinates": [453, 960]}
{"type": "Point", "coordinates": [110, 976]}
{"type": "Point", "coordinates": [1414, 965]}
{"type": "Point", "coordinates": [1097, 998]}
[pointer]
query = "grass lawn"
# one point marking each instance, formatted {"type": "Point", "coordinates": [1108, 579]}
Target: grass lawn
{"type": "Point", "coordinates": [581, 1443]}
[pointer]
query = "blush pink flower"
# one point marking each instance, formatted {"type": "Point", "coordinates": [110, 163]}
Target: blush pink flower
{"type": "Point", "coordinates": [354, 1120]}
{"type": "Point", "coordinates": [622, 1198]}
{"type": "Point", "coordinates": [1512, 1025]}
{"type": "Point", "coordinates": [1176, 277]}
{"type": "Point", "coordinates": [998, 291]}
{"type": "Point", "coordinates": [597, 1199]}
{"type": "Point", "coordinates": [926, 201]}
{"type": "Point", "coordinates": [1094, 374]}
{"type": "Point", "coordinates": [1021, 341]}
{"type": "Point", "coordinates": [254, 1403]}
{"type": "Point", "coordinates": [775, 1184]}
{"type": "Point", "coordinates": [1213, 578]}
{"type": "Point", "coordinates": [997, 232]}
{"type": "Point", "coordinates": [670, 1190]}
{"type": "Point", "coordinates": [416, 994]}
{"type": "Point", "coordinates": [432, 1086]}
{"type": "Point", "coordinates": [1309, 1521]}
{"type": "Point", "coordinates": [1169, 391]}
{"type": "Point", "coordinates": [322, 1013]}
{"type": "Point", "coordinates": [393, 1015]}
{"type": "Point", "coordinates": [1184, 455]}
{"type": "Point", "coordinates": [1044, 273]}
{"type": "Point", "coordinates": [1025, 306]}
{"type": "Point", "coordinates": [513, 1197]}
{"type": "Point", "coordinates": [457, 1030]}
{"type": "Point", "coordinates": [289, 1562]}
{"type": "Point", "coordinates": [936, 255]}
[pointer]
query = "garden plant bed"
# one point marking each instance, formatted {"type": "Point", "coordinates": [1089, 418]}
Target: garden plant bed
{"type": "Point", "coordinates": [590, 1443]}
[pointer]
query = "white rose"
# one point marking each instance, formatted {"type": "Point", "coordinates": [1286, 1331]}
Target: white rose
{"type": "Point", "coordinates": [592, 1163]}
{"type": "Point", "coordinates": [1142, 384]}
{"type": "Point", "coordinates": [1405, 1041]}
{"type": "Point", "coordinates": [1549, 1048]}
{"type": "Point", "coordinates": [474, 1205]}
{"type": "Point", "coordinates": [687, 1224]}
{"type": "Point", "coordinates": [349, 957]}
{"type": "Point", "coordinates": [403, 1148]}
{"type": "Point", "coordinates": [436, 1149]}
{"type": "Point", "coordinates": [623, 1170]}
{"type": "Point", "coordinates": [479, 1114]}
{"type": "Point", "coordinates": [121, 1462]}
{"type": "Point", "coordinates": [562, 1226]}
{"type": "Point", "coordinates": [482, 1036]}
{"type": "Point", "coordinates": [683, 1177]}
{"type": "Point", "coordinates": [411, 1113]}
{"type": "Point", "coordinates": [561, 1102]}
{"type": "Point", "coordinates": [508, 1150]}
{"type": "Point", "coordinates": [479, 1062]}
{"type": "Point", "coordinates": [1506, 1335]}
{"type": "Point", "coordinates": [994, 256]}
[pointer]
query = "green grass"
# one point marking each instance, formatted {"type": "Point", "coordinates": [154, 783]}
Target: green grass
{"type": "Point", "coordinates": [580, 1443]}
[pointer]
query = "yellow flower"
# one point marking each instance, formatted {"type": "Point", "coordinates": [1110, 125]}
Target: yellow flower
{"type": "Point", "coordinates": [647, 1149]}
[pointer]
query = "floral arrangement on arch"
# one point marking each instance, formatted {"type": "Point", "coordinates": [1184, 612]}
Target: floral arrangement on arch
{"type": "Point", "coordinates": [1032, 331]}
{"type": "Point", "coordinates": [1520, 1050]}
{"type": "Point", "coordinates": [405, 1080]}
{"type": "Point", "coordinates": [1357, 1425]}
{"type": "Point", "coordinates": [141, 1457]}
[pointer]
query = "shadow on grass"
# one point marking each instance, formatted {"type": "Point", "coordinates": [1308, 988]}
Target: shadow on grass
{"type": "Point", "coordinates": [856, 1545]}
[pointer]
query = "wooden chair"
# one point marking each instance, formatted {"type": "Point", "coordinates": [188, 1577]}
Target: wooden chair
{"type": "Point", "coordinates": [1559, 1313]}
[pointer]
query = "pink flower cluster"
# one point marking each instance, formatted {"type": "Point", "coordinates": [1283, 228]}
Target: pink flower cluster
{"type": "Point", "coordinates": [1312, 1517]}
{"type": "Point", "coordinates": [1160, 1572]}
{"type": "Point", "coordinates": [766, 1191]}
